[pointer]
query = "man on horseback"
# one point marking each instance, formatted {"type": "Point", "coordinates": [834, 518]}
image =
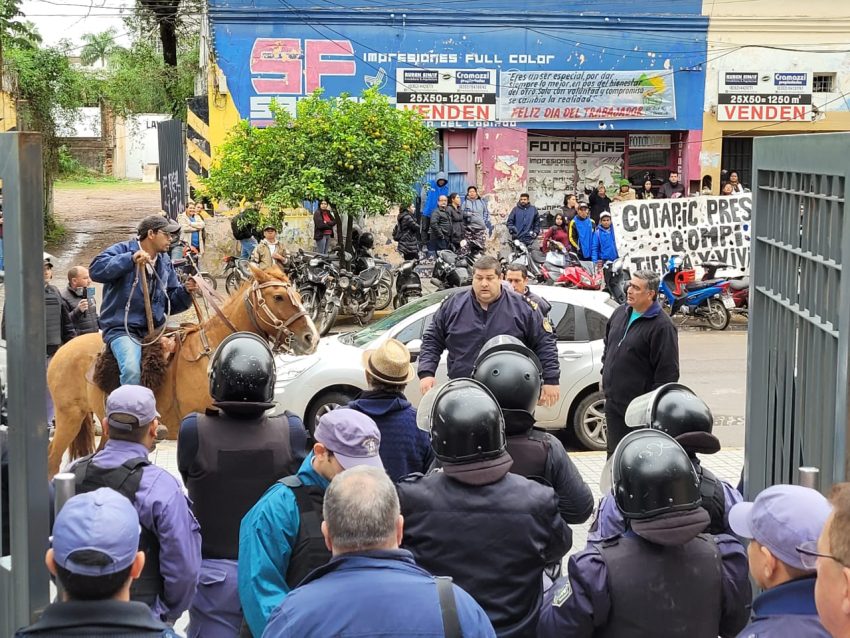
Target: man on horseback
{"type": "Point", "coordinates": [122, 317]}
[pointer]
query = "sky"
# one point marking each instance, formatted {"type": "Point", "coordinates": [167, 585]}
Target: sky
{"type": "Point", "coordinates": [58, 19]}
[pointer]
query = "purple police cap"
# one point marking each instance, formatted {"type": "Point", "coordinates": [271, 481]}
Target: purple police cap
{"type": "Point", "coordinates": [352, 436]}
{"type": "Point", "coordinates": [131, 406]}
{"type": "Point", "coordinates": [782, 517]}
{"type": "Point", "coordinates": [101, 521]}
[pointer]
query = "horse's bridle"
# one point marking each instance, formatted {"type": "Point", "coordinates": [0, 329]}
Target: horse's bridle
{"type": "Point", "coordinates": [278, 333]}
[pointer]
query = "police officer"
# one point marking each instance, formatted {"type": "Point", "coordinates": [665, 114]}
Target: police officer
{"type": "Point", "coordinates": [465, 321]}
{"type": "Point", "coordinates": [676, 410]}
{"type": "Point", "coordinates": [511, 371]}
{"type": "Point", "coordinates": [661, 577]}
{"type": "Point", "coordinates": [228, 457]}
{"type": "Point", "coordinates": [170, 535]}
{"type": "Point", "coordinates": [280, 538]}
{"type": "Point", "coordinates": [516, 275]}
{"type": "Point", "coordinates": [492, 531]}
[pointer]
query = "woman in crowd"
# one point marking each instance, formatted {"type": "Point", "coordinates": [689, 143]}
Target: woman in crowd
{"type": "Point", "coordinates": [645, 191]}
{"type": "Point", "coordinates": [557, 231]}
{"type": "Point", "coordinates": [323, 226]}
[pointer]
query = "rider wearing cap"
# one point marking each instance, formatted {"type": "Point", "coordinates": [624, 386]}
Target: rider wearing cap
{"type": "Point", "coordinates": [511, 372]}
{"type": "Point", "coordinates": [123, 320]}
{"type": "Point", "coordinates": [228, 457]}
{"type": "Point", "coordinates": [663, 576]}
{"type": "Point", "coordinates": [170, 534]}
{"type": "Point", "coordinates": [491, 530]}
{"type": "Point", "coordinates": [676, 410]}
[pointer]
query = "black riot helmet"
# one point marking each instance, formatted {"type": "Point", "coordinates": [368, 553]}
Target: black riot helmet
{"type": "Point", "coordinates": [366, 240]}
{"type": "Point", "coordinates": [653, 475]}
{"type": "Point", "coordinates": [676, 410]}
{"type": "Point", "coordinates": [464, 421]}
{"type": "Point", "coordinates": [242, 374]}
{"type": "Point", "coordinates": [511, 371]}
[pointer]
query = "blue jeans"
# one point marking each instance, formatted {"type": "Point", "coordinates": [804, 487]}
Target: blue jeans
{"type": "Point", "coordinates": [248, 246]}
{"type": "Point", "coordinates": [128, 354]}
{"type": "Point", "coordinates": [322, 244]}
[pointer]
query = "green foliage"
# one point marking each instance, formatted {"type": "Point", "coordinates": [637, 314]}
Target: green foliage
{"type": "Point", "coordinates": [137, 80]}
{"type": "Point", "coordinates": [364, 156]}
{"type": "Point", "coordinates": [69, 166]}
{"type": "Point", "coordinates": [98, 46]}
{"type": "Point", "coordinates": [15, 32]}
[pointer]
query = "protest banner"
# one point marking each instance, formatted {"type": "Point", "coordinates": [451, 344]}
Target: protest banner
{"type": "Point", "coordinates": [539, 96]}
{"type": "Point", "coordinates": [699, 229]}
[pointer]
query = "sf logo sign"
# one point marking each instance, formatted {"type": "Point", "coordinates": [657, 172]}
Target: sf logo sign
{"type": "Point", "coordinates": [280, 66]}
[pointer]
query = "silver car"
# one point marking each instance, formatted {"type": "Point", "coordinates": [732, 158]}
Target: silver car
{"type": "Point", "coordinates": [312, 384]}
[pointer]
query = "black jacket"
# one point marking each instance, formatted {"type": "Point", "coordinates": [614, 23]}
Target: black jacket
{"type": "Point", "coordinates": [84, 322]}
{"type": "Point", "coordinates": [598, 204]}
{"type": "Point", "coordinates": [494, 540]}
{"type": "Point", "coordinates": [408, 233]}
{"type": "Point", "coordinates": [667, 190]}
{"type": "Point", "coordinates": [98, 617]}
{"type": "Point", "coordinates": [59, 329]}
{"type": "Point", "coordinates": [640, 357]}
{"type": "Point", "coordinates": [241, 228]}
{"type": "Point", "coordinates": [441, 225]}
{"type": "Point", "coordinates": [320, 226]}
{"type": "Point", "coordinates": [457, 226]}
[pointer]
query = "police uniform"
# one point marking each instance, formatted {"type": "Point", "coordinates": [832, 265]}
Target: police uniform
{"type": "Point", "coordinates": [462, 327]}
{"type": "Point", "coordinates": [226, 464]}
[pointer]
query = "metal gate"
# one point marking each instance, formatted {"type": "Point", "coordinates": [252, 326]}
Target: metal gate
{"type": "Point", "coordinates": [800, 310]}
{"type": "Point", "coordinates": [172, 167]}
{"type": "Point", "coordinates": [23, 577]}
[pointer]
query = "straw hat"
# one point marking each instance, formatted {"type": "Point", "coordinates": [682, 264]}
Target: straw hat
{"type": "Point", "coordinates": [390, 363]}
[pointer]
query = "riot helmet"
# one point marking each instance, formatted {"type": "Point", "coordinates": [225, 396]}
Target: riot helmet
{"type": "Point", "coordinates": [676, 410]}
{"type": "Point", "coordinates": [242, 373]}
{"type": "Point", "coordinates": [653, 475]}
{"type": "Point", "coordinates": [464, 422]}
{"type": "Point", "coordinates": [511, 371]}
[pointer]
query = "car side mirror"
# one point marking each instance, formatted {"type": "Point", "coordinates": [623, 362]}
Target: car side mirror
{"type": "Point", "coordinates": [414, 347]}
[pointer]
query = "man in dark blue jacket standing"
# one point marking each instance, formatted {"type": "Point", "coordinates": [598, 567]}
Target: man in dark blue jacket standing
{"type": "Point", "coordinates": [467, 320]}
{"type": "Point", "coordinates": [116, 268]}
{"type": "Point", "coordinates": [524, 221]}
{"type": "Point", "coordinates": [405, 449]}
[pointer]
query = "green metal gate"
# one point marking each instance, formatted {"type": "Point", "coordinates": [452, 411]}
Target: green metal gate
{"type": "Point", "coordinates": [799, 310]}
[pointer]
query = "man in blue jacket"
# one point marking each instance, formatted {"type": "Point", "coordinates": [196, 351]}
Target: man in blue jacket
{"type": "Point", "coordinates": [405, 449]}
{"type": "Point", "coordinates": [116, 268]}
{"type": "Point", "coordinates": [368, 572]}
{"type": "Point", "coordinates": [781, 519]}
{"type": "Point", "coordinates": [430, 194]}
{"type": "Point", "coordinates": [581, 230]}
{"type": "Point", "coordinates": [280, 539]}
{"type": "Point", "coordinates": [467, 320]}
{"type": "Point", "coordinates": [524, 221]}
{"type": "Point", "coordinates": [604, 246]}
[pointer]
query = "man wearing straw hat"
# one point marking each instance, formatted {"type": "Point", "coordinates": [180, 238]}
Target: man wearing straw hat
{"type": "Point", "coordinates": [122, 316]}
{"type": "Point", "coordinates": [405, 449]}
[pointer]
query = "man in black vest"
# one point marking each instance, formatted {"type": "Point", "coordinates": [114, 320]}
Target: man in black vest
{"type": "Point", "coordinates": [511, 371]}
{"type": "Point", "coordinates": [79, 300]}
{"type": "Point", "coordinates": [663, 576]}
{"type": "Point", "coordinates": [170, 534]}
{"type": "Point", "coordinates": [676, 410]}
{"type": "Point", "coordinates": [280, 539]}
{"type": "Point", "coordinates": [228, 457]}
{"type": "Point", "coordinates": [492, 531]}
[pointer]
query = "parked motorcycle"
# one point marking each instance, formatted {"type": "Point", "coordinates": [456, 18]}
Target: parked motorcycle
{"type": "Point", "coordinates": [349, 294]}
{"type": "Point", "coordinates": [679, 292]}
{"type": "Point", "coordinates": [363, 260]}
{"type": "Point", "coordinates": [738, 286]}
{"type": "Point", "coordinates": [315, 275]}
{"type": "Point", "coordinates": [563, 268]}
{"type": "Point", "coordinates": [452, 270]}
{"type": "Point", "coordinates": [531, 258]}
{"type": "Point", "coordinates": [614, 275]}
{"type": "Point", "coordinates": [408, 284]}
{"type": "Point", "coordinates": [189, 266]}
{"type": "Point", "coordinates": [235, 273]}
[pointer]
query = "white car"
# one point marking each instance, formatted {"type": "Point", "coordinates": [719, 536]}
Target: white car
{"type": "Point", "coordinates": [312, 384]}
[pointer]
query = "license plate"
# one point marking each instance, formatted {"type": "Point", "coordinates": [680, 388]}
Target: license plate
{"type": "Point", "coordinates": [729, 303]}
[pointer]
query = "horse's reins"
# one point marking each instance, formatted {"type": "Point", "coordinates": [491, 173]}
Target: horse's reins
{"type": "Point", "coordinates": [283, 335]}
{"type": "Point", "coordinates": [142, 275]}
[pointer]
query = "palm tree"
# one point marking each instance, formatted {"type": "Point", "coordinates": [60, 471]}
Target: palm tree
{"type": "Point", "coordinates": [98, 46]}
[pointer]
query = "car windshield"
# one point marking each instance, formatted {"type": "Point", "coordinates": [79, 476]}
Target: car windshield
{"type": "Point", "coordinates": [370, 333]}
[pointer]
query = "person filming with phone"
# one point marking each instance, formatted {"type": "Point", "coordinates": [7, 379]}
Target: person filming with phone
{"type": "Point", "coordinates": [78, 298]}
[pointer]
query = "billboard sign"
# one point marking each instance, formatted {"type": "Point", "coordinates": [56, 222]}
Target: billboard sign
{"type": "Point", "coordinates": [776, 96]}
{"type": "Point", "coordinates": [462, 95]}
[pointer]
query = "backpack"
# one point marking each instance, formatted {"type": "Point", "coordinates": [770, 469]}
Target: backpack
{"type": "Point", "coordinates": [396, 232]}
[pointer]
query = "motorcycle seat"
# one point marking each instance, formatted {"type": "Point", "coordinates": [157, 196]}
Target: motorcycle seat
{"type": "Point", "coordinates": [447, 256]}
{"type": "Point", "coordinates": [370, 276]}
{"type": "Point", "coordinates": [740, 284]}
{"type": "Point", "coordinates": [699, 285]}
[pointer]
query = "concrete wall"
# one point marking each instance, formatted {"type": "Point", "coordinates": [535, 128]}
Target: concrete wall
{"type": "Point", "coordinates": [775, 36]}
{"type": "Point", "coordinates": [136, 144]}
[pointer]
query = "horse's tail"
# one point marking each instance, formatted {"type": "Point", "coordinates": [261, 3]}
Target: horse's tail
{"type": "Point", "coordinates": [83, 443]}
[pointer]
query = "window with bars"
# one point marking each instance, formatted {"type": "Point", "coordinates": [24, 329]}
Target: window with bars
{"type": "Point", "coordinates": [823, 83]}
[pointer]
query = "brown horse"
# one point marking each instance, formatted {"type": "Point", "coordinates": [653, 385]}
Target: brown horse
{"type": "Point", "coordinates": [268, 306]}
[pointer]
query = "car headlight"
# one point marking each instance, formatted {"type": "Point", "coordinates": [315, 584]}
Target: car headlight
{"type": "Point", "coordinates": [289, 367]}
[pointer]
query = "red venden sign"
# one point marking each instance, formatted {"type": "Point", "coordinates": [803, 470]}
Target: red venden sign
{"type": "Point", "coordinates": [762, 113]}
{"type": "Point", "coordinates": [453, 112]}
